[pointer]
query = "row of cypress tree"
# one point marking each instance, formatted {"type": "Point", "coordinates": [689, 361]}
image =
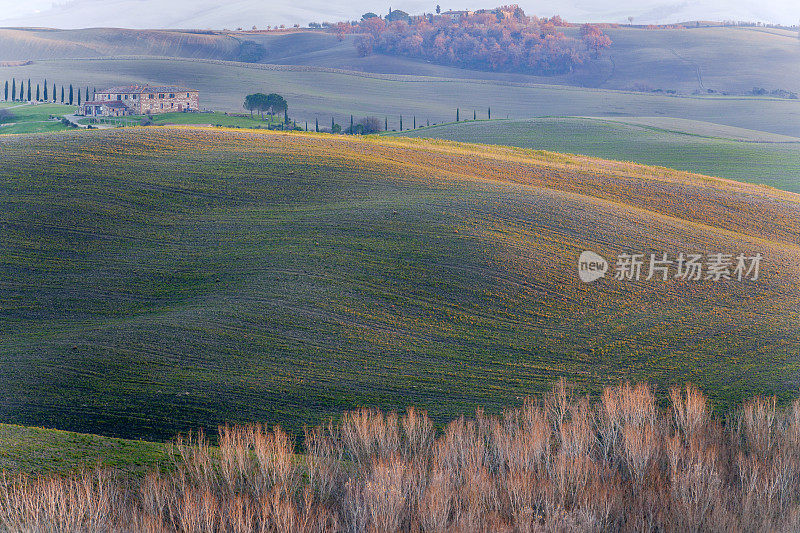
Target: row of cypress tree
{"type": "Point", "coordinates": [27, 93]}
{"type": "Point", "coordinates": [336, 128]}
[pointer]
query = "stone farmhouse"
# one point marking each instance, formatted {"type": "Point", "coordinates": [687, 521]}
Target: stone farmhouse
{"type": "Point", "coordinates": [141, 100]}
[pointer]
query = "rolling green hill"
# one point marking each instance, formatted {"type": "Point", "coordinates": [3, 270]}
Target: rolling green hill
{"type": "Point", "coordinates": [156, 280]}
{"type": "Point", "coordinates": [32, 450]}
{"type": "Point", "coordinates": [693, 146]}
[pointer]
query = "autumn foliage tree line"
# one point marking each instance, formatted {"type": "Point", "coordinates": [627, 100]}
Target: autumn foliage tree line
{"type": "Point", "coordinates": [564, 462]}
{"type": "Point", "coordinates": [502, 39]}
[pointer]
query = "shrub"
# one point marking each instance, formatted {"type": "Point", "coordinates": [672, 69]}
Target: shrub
{"type": "Point", "coordinates": [558, 463]}
{"type": "Point", "coordinates": [250, 52]}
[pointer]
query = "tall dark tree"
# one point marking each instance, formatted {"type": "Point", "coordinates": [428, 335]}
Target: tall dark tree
{"type": "Point", "coordinates": [427, 122]}
{"type": "Point", "coordinates": [275, 103]}
{"type": "Point", "coordinates": [5, 94]}
{"type": "Point", "coordinates": [316, 124]}
{"type": "Point", "coordinates": [62, 94]}
{"type": "Point", "coordinates": [13, 88]}
{"type": "Point", "coordinates": [71, 94]}
{"type": "Point", "coordinates": [352, 131]}
{"type": "Point", "coordinates": [401, 122]}
{"type": "Point", "coordinates": [55, 96]}
{"type": "Point", "coordinates": [490, 113]}
{"type": "Point", "coordinates": [306, 125]}
{"type": "Point", "coordinates": [21, 90]}
{"type": "Point", "coordinates": [79, 97]}
{"type": "Point", "coordinates": [29, 90]}
{"type": "Point", "coordinates": [415, 121]}
{"type": "Point", "coordinates": [45, 91]}
{"type": "Point", "coordinates": [286, 115]}
{"type": "Point", "coordinates": [386, 124]}
{"type": "Point", "coordinates": [333, 124]}
{"type": "Point", "coordinates": [251, 102]}
{"type": "Point", "coordinates": [37, 93]}
{"type": "Point", "coordinates": [474, 115]}
{"type": "Point", "coordinates": [438, 9]}
{"type": "Point", "coordinates": [457, 115]}
{"type": "Point", "coordinates": [87, 95]}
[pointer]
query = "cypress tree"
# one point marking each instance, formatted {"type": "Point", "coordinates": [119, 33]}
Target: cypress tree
{"type": "Point", "coordinates": [79, 97]}
{"type": "Point", "coordinates": [490, 113]}
{"type": "Point", "coordinates": [21, 90]}
{"type": "Point", "coordinates": [415, 121]}
{"type": "Point", "coordinates": [332, 124]}
{"type": "Point", "coordinates": [474, 115]}
{"type": "Point", "coordinates": [352, 131]}
{"type": "Point", "coordinates": [13, 88]}
{"type": "Point", "coordinates": [401, 122]}
{"type": "Point", "coordinates": [316, 124]}
{"type": "Point", "coordinates": [386, 124]}
{"type": "Point", "coordinates": [37, 92]}
{"type": "Point", "coordinates": [306, 125]}
{"type": "Point", "coordinates": [6, 92]}
{"type": "Point", "coordinates": [285, 115]}
{"type": "Point", "coordinates": [457, 115]}
{"type": "Point", "coordinates": [71, 94]}
{"type": "Point", "coordinates": [87, 95]}
{"type": "Point", "coordinates": [62, 94]}
{"type": "Point", "coordinates": [29, 90]}
{"type": "Point", "coordinates": [45, 91]}
{"type": "Point", "coordinates": [55, 96]}
{"type": "Point", "coordinates": [427, 122]}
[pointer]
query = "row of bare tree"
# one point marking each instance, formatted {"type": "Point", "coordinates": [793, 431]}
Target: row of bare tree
{"type": "Point", "coordinates": [562, 463]}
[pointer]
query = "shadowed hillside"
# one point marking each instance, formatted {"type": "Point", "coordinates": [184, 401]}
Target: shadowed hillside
{"type": "Point", "coordinates": [179, 278]}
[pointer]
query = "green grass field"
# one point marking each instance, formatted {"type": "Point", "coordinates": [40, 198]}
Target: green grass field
{"type": "Point", "coordinates": [208, 119]}
{"type": "Point", "coordinates": [684, 145]}
{"type": "Point", "coordinates": [32, 450]}
{"type": "Point", "coordinates": [33, 118]}
{"type": "Point", "coordinates": [156, 280]}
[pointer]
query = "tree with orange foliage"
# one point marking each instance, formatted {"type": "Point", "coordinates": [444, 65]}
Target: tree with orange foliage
{"type": "Point", "coordinates": [504, 39]}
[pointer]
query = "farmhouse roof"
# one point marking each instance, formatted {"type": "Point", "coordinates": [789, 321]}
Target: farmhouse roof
{"type": "Point", "coordinates": [140, 89]}
{"type": "Point", "coordinates": [167, 89]}
{"type": "Point", "coordinates": [125, 89]}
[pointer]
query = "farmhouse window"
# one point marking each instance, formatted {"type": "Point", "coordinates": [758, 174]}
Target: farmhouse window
{"type": "Point", "coordinates": [187, 95]}
{"type": "Point", "coordinates": [152, 96]}
{"type": "Point", "coordinates": [172, 95]}
{"type": "Point", "coordinates": [161, 96]}
{"type": "Point", "coordinates": [119, 97]}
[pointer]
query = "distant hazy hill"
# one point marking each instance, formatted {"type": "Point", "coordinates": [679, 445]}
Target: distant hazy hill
{"type": "Point", "coordinates": [699, 59]}
{"type": "Point", "coordinates": [246, 13]}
